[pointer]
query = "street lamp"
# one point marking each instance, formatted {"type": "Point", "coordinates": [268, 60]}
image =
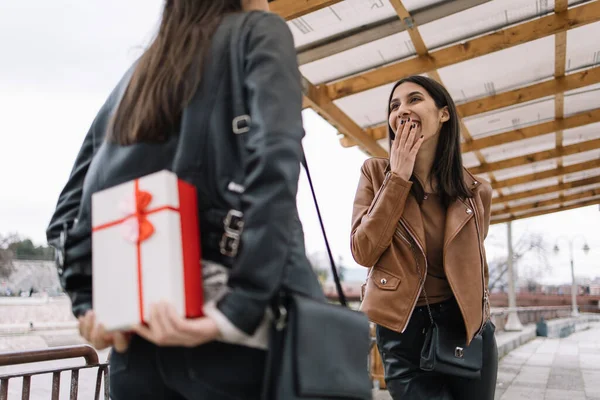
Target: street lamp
{"type": "Point", "coordinates": [586, 249]}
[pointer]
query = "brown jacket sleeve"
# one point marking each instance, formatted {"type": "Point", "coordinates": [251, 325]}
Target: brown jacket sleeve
{"type": "Point", "coordinates": [486, 199]}
{"type": "Point", "coordinates": [376, 212]}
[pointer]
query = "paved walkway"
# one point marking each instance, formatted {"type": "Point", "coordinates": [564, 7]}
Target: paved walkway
{"type": "Point", "coordinates": [553, 369]}
{"type": "Point", "coordinates": [549, 369]}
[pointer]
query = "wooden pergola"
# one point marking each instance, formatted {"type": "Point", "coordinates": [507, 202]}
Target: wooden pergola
{"type": "Point", "coordinates": [533, 131]}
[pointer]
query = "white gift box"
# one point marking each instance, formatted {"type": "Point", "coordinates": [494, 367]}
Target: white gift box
{"type": "Point", "coordinates": [145, 249]}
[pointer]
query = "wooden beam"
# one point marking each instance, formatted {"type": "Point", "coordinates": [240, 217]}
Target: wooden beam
{"type": "Point", "coordinates": [290, 9]}
{"type": "Point", "coordinates": [320, 102]}
{"type": "Point", "coordinates": [532, 92]}
{"type": "Point", "coordinates": [560, 68]}
{"type": "Point", "coordinates": [411, 27]}
{"type": "Point", "coordinates": [490, 43]}
{"type": "Point", "coordinates": [536, 91]}
{"type": "Point", "coordinates": [551, 173]}
{"type": "Point", "coordinates": [536, 157]}
{"type": "Point", "coordinates": [577, 120]}
{"type": "Point", "coordinates": [552, 189]}
{"type": "Point", "coordinates": [545, 212]}
{"type": "Point", "coordinates": [379, 30]}
{"type": "Point", "coordinates": [546, 203]}
{"type": "Point", "coordinates": [561, 5]}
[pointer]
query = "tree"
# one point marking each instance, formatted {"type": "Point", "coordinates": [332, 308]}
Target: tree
{"type": "Point", "coordinates": [13, 247]}
{"type": "Point", "coordinates": [24, 249]}
{"type": "Point", "coordinates": [6, 254]}
{"type": "Point", "coordinates": [530, 253]}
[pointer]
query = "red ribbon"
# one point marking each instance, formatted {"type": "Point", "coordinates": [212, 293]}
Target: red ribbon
{"type": "Point", "coordinates": [145, 230]}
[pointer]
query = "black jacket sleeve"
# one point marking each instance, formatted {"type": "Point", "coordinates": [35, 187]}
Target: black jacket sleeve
{"type": "Point", "coordinates": [272, 167]}
{"type": "Point", "coordinates": [68, 232]}
{"type": "Point", "coordinates": [74, 253]}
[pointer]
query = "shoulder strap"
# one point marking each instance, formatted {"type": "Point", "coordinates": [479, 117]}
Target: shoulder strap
{"type": "Point", "coordinates": [241, 124]}
{"type": "Point", "coordinates": [334, 271]}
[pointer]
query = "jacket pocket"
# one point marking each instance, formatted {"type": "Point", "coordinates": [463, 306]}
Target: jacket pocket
{"type": "Point", "coordinates": [384, 280]}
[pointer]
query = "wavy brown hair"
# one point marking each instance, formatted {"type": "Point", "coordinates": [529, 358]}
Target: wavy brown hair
{"type": "Point", "coordinates": [168, 73]}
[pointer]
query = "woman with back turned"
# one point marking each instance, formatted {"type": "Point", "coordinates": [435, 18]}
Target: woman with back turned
{"type": "Point", "coordinates": [174, 109]}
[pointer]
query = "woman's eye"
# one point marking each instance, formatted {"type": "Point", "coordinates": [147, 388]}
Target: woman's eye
{"type": "Point", "coordinates": [393, 106]}
{"type": "Point", "coordinates": [414, 99]}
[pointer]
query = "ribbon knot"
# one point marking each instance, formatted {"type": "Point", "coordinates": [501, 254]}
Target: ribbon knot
{"type": "Point", "coordinates": [137, 227]}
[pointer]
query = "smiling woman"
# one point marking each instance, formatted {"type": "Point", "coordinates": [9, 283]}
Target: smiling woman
{"type": "Point", "coordinates": [419, 222]}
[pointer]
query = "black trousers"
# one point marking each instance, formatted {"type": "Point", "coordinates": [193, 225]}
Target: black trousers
{"type": "Point", "coordinates": [214, 371]}
{"type": "Point", "coordinates": [401, 353]}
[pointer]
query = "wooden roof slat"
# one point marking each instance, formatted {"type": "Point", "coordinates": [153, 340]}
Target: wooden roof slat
{"type": "Point", "coordinates": [539, 156]}
{"type": "Point", "coordinates": [490, 43]}
{"type": "Point", "coordinates": [551, 173]}
{"type": "Point", "coordinates": [536, 91]}
{"type": "Point", "coordinates": [574, 121]}
{"type": "Point", "coordinates": [560, 68]}
{"type": "Point", "coordinates": [545, 212]}
{"type": "Point", "coordinates": [358, 37]}
{"type": "Point", "coordinates": [320, 102]}
{"type": "Point", "coordinates": [413, 32]}
{"type": "Point", "coordinates": [290, 9]}
{"type": "Point", "coordinates": [551, 202]}
{"type": "Point", "coordinates": [551, 189]}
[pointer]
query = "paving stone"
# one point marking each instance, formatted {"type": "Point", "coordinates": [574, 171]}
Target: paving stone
{"type": "Point", "coordinates": [554, 394]}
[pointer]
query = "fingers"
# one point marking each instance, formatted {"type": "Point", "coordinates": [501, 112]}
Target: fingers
{"type": "Point", "coordinates": [410, 140]}
{"type": "Point", "coordinates": [99, 338]}
{"type": "Point", "coordinates": [415, 149]}
{"type": "Point", "coordinates": [86, 324]}
{"type": "Point", "coordinates": [120, 341]}
{"type": "Point", "coordinates": [402, 137]}
{"type": "Point", "coordinates": [145, 332]}
{"type": "Point", "coordinates": [159, 329]}
{"type": "Point", "coordinates": [175, 321]}
{"type": "Point", "coordinates": [160, 320]}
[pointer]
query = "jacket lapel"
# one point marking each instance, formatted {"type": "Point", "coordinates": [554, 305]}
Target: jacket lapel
{"type": "Point", "coordinates": [457, 216]}
{"type": "Point", "coordinates": [460, 212]}
{"type": "Point", "coordinates": [413, 218]}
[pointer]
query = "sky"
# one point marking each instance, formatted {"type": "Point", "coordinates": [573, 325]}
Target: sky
{"type": "Point", "coordinates": [61, 59]}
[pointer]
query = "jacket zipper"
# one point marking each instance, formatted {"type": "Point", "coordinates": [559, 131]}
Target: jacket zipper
{"type": "Point", "coordinates": [417, 262]}
{"type": "Point", "coordinates": [376, 199]}
{"type": "Point", "coordinates": [485, 293]}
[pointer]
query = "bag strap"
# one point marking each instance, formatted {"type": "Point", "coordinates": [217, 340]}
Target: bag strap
{"type": "Point", "coordinates": [336, 277]}
{"type": "Point", "coordinates": [242, 116]}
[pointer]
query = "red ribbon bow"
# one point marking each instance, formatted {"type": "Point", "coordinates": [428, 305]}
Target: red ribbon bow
{"type": "Point", "coordinates": [143, 227]}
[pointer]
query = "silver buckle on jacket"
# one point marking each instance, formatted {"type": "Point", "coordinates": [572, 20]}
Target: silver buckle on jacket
{"type": "Point", "coordinates": [241, 124]}
{"type": "Point", "coordinates": [233, 225]}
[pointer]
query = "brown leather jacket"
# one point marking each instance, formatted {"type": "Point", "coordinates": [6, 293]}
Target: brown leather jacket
{"type": "Point", "coordinates": [388, 237]}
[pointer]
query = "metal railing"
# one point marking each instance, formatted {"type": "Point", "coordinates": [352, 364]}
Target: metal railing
{"type": "Point", "coordinates": [54, 354]}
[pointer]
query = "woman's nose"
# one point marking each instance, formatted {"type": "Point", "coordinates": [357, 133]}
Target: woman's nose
{"type": "Point", "coordinates": [403, 114]}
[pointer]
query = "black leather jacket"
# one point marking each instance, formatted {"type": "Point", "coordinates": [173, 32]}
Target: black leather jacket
{"type": "Point", "coordinates": [205, 153]}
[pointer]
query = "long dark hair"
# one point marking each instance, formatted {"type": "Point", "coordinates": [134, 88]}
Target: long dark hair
{"type": "Point", "coordinates": [447, 166]}
{"type": "Point", "coordinates": [168, 73]}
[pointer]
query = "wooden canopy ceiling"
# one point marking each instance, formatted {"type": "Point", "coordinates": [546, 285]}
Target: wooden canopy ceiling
{"type": "Point", "coordinates": [543, 165]}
